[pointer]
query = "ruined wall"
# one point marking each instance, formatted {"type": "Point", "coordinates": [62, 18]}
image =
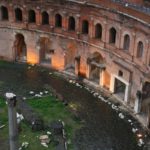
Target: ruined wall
{"type": "Point", "coordinates": [65, 45]}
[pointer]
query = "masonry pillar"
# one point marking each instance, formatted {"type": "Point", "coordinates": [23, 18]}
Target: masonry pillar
{"type": "Point", "coordinates": [38, 17]}
{"type": "Point", "coordinates": [112, 84]}
{"type": "Point", "coordinates": [88, 70]}
{"type": "Point", "coordinates": [127, 93]}
{"type": "Point", "coordinates": [64, 21]}
{"type": "Point", "coordinates": [13, 130]}
{"type": "Point", "coordinates": [101, 81]}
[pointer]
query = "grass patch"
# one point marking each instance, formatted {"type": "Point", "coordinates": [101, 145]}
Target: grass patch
{"type": "Point", "coordinates": [50, 110]}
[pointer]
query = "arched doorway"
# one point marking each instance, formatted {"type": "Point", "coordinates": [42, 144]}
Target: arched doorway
{"type": "Point", "coordinates": [20, 48]}
{"type": "Point", "coordinates": [45, 50]}
{"type": "Point", "coordinates": [96, 65]}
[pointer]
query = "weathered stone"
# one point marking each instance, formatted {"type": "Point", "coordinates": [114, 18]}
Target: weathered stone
{"type": "Point", "coordinates": [44, 139]}
{"type": "Point", "coordinates": [56, 127]}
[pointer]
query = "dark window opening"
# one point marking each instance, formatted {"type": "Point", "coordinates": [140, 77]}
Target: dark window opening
{"type": "Point", "coordinates": [140, 50]}
{"type": "Point", "coordinates": [18, 14]}
{"type": "Point", "coordinates": [85, 27]}
{"type": "Point", "coordinates": [120, 73]}
{"type": "Point", "coordinates": [112, 35]}
{"type": "Point", "coordinates": [45, 18]}
{"type": "Point", "coordinates": [126, 43]}
{"type": "Point", "coordinates": [71, 24]}
{"type": "Point", "coordinates": [32, 18]}
{"type": "Point", "coordinates": [98, 31]}
{"type": "Point", "coordinates": [4, 13]}
{"type": "Point", "coordinates": [58, 21]}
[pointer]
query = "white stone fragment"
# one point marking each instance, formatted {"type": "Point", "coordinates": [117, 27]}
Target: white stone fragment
{"type": "Point", "coordinates": [70, 81]}
{"type": "Point", "coordinates": [114, 107]}
{"type": "Point", "coordinates": [46, 92]}
{"type": "Point", "coordinates": [2, 126]}
{"type": "Point", "coordinates": [140, 142]}
{"type": "Point", "coordinates": [19, 118]}
{"type": "Point", "coordinates": [78, 85]}
{"type": "Point", "coordinates": [121, 115]}
{"type": "Point", "coordinates": [25, 144]}
{"type": "Point", "coordinates": [24, 98]}
{"type": "Point", "coordinates": [44, 144]}
{"type": "Point", "coordinates": [109, 103]}
{"type": "Point", "coordinates": [10, 95]}
{"type": "Point", "coordinates": [95, 94]}
{"type": "Point", "coordinates": [99, 96]}
{"type": "Point", "coordinates": [41, 93]}
{"type": "Point", "coordinates": [49, 133]}
{"type": "Point", "coordinates": [129, 120]}
{"type": "Point", "coordinates": [31, 92]}
{"type": "Point", "coordinates": [38, 95]}
{"type": "Point", "coordinates": [134, 130]}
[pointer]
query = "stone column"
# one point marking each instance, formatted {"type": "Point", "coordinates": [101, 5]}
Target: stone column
{"type": "Point", "coordinates": [138, 101]}
{"type": "Point", "coordinates": [13, 130]}
{"type": "Point", "coordinates": [112, 83]}
{"type": "Point", "coordinates": [88, 70]}
{"type": "Point", "coordinates": [101, 81]}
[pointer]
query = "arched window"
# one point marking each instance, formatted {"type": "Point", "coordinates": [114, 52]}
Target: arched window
{"type": "Point", "coordinates": [18, 14]}
{"type": "Point", "coordinates": [98, 31]}
{"type": "Point", "coordinates": [45, 18]}
{"type": "Point", "coordinates": [112, 35]}
{"type": "Point", "coordinates": [126, 43]}
{"type": "Point", "coordinates": [58, 20]}
{"type": "Point", "coordinates": [71, 24]}
{"type": "Point", "coordinates": [4, 13]}
{"type": "Point", "coordinates": [139, 49]}
{"type": "Point", "coordinates": [32, 18]}
{"type": "Point", "coordinates": [85, 27]}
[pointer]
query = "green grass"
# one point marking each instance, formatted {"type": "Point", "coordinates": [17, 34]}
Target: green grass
{"type": "Point", "coordinates": [49, 109]}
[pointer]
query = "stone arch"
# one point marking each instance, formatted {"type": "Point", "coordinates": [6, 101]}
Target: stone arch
{"type": "Point", "coordinates": [112, 35]}
{"type": "Point", "coordinates": [4, 13]}
{"type": "Point", "coordinates": [98, 31]}
{"type": "Point", "coordinates": [85, 27]}
{"type": "Point", "coordinates": [18, 14]}
{"type": "Point", "coordinates": [96, 64]}
{"type": "Point", "coordinates": [31, 16]}
{"type": "Point", "coordinates": [58, 20]}
{"type": "Point", "coordinates": [45, 18]}
{"type": "Point", "coordinates": [20, 47]}
{"type": "Point", "coordinates": [126, 43]}
{"type": "Point", "coordinates": [71, 23]}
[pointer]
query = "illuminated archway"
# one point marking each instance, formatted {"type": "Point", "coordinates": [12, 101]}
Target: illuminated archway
{"type": "Point", "coordinates": [20, 48]}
